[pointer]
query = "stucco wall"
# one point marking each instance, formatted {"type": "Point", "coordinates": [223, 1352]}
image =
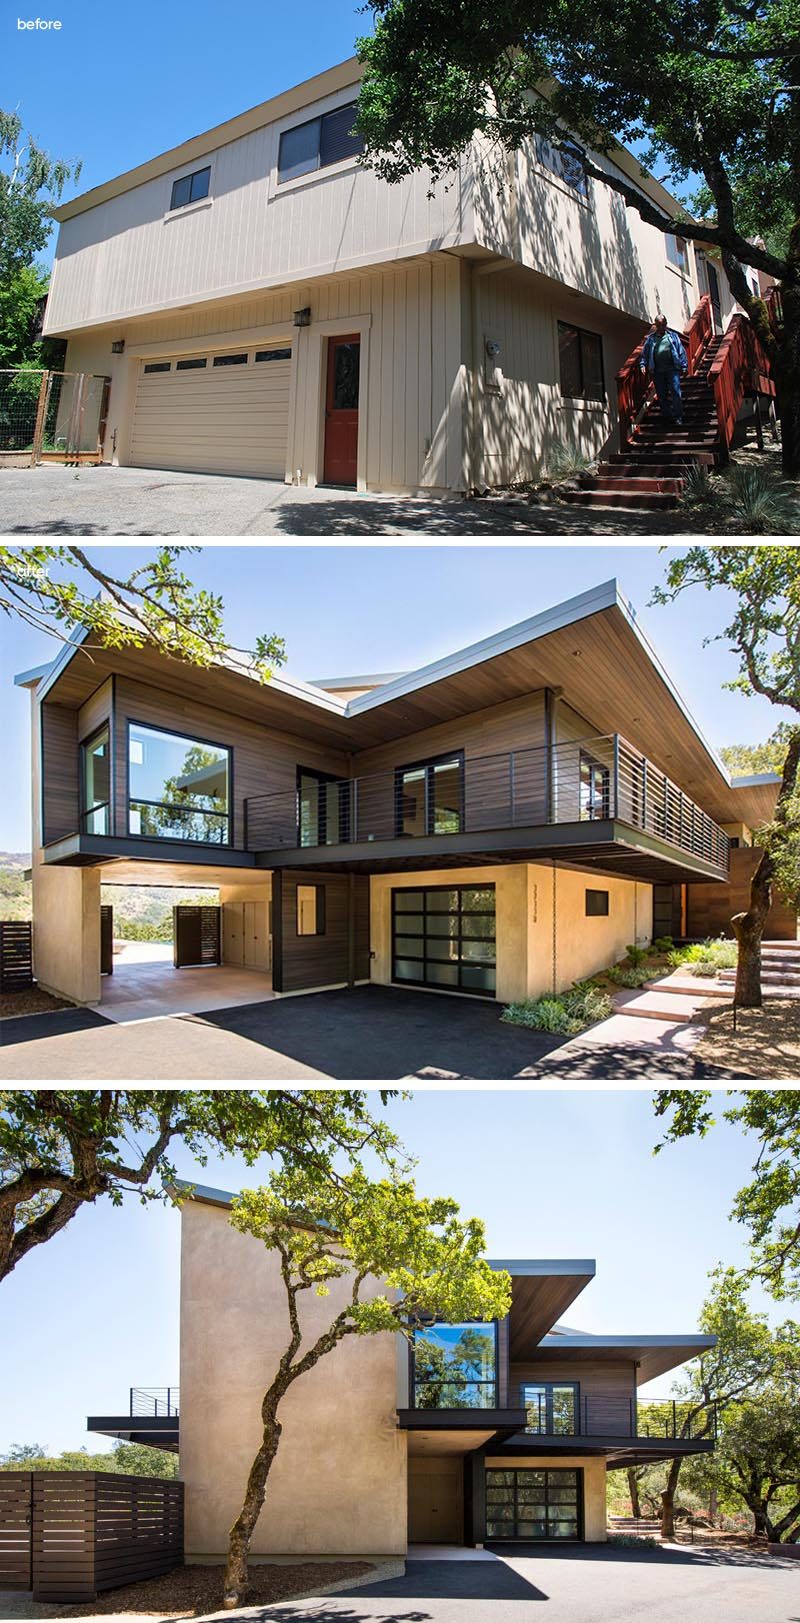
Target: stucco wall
{"type": "Point", "coordinates": [594, 1485]}
{"type": "Point", "coordinates": [525, 939]}
{"type": "Point", "coordinates": [338, 1485]}
{"type": "Point", "coordinates": [66, 931]}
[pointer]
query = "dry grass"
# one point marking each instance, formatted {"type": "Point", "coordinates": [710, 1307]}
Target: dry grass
{"type": "Point", "coordinates": [31, 1001]}
{"type": "Point", "coordinates": [765, 1046]}
{"type": "Point", "coordinates": [196, 1590]}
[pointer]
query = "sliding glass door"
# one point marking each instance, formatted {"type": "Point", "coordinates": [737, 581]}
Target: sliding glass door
{"type": "Point", "coordinates": [429, 796]}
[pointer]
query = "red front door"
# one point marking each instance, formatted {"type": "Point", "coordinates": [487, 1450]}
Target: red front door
{"type": "Point", "coordinates": [341, 410]}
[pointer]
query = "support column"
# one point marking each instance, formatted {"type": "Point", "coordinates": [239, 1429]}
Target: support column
{"type": "Point", "coordinates": [66, 931]}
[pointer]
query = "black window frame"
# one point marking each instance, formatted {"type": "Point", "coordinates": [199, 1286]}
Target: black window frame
{"type": "Point", "coordinates": [520, 1473]}
{"type": "Point", "coordinates": [402, 891]}
{"type": "Point", "coordinates": [200, 197]}
{"type": "Point", "coordinates": [322, 909]}
{"type": "Point", "coordinates": [323, 781]}
{"type": "Point", "coordinates": [85, 811]}
{"type": "Point", "coordinates": [428, 765]}
{"type": "Point", "coordinates": [586, 759]}
{"type": "Point", "coordinates": [598, 912]}
{"type": "Point", "coordinates": [191, 738]}
{"type": "Point", "coordinates": [320, 120]}
{"type": "Point", "coordinates": [549, 1387]}
{"type": "Point", "coordinates": [412, 1371]}
{"type": "Point", "coordinates": [582, 333]}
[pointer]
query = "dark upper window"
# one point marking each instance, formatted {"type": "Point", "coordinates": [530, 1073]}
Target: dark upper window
{"type": "Point", "coordinates": [273, 355]}
{"type": "Point", "coordinates": [158, 366]}
{"type": "Point", "coordinates": [190, 188]}
{"type": "Point", "coordinates": [678, 253]}
{"type": "Point", "coordinates": [580, 356]}
{"type": "Point", "coordinates": [596, 904]}
{"type": "Point", "coordinates": [429, 796]}
{"type": "Point", "coordinates": [454, 1366]}
{"type": "Point", "coordinates": [595, 789]}
{"type": "Point", "coordinates": [96, 783]}
{"type": "Point", "coordinates": [196, 363]}
{"type": "Point", "coordinates": [566, 162]}
{"type": "Point", "coordinates": [178, 787]}
{"type": "Point", "coordinates": [319, 142]}
{"type": "Point", "coordinates": [230, 360]}
{"type": "Point", "coordinates": [322, 806]}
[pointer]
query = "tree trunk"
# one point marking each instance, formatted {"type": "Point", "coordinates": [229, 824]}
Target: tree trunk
{"type": "Point", "coordinates": [748, 929]}
{"type": "Point", "coordinates": [236, 1578]}
{"type": "Point", "coordinates": [668, 1501]}
{"type": "Point", "coordinates": [633, 1490]}
{"type": "Point", "coordinates": [788, 382]}
{"type": "Point", "coordinates": [761, 1522]}
{"type": "Point", "coordinates": [713, 1507]}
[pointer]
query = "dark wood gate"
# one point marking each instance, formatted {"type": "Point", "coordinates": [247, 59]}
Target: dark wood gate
{"type": "Point", "coordinates": [106, 940]}
{"type": "Point", "coordinates": [196, 936]}
{"type": "Point", "coordinates": [16, 1529]}
{"type": "Point", "coordinates": [16, 955]}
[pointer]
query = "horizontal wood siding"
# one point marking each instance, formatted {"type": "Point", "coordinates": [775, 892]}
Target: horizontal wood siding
{"type": "Point", "coordinates": [710, 908]}
{"type": "Point", "coordinates": [61, 804]}
{"type": "Point", "coordinates": [96, 710]}
{"type": "Point", "coordinates": [16, 1529]}
{"type": "Point", "coordinates": [100, 1530]}
{"type": "Point", "coordinates": [502, 1362]}
{"type": "Point", "coordinates": [607, 1392]}
{"type": "Point", "coordinates": [264, 761]}
{"type": "Point", "coordinates": [303, 962]}
{"type": "Point", "coordinates": [16, 954]}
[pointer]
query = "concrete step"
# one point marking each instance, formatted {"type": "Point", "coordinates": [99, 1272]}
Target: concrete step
{"type": "Point", "coordinates": [769, 977]}
{"type": "Point", "coordinates": [650, 501]}
{"type": "Point", "coordinates": [687, 986]}
{"type": "Point", "coordinates": [648, 1005]}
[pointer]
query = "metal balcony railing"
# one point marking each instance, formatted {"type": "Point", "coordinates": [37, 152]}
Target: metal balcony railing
{"type": "Point", "coordinates": [154, 1400]}
{"type": "Point", "coordinates": [590, 780]}
{"type": "Point", "coordinates": [612, 1416]}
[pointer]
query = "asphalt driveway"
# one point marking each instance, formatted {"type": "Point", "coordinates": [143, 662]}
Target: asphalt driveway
{"type": "Point", "coordinates": [585, 1585]}
{"type": "Point", "coordinates": [87, 501]}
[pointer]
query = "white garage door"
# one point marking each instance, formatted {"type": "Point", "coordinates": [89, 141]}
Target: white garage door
{"type": "Point", "coordinates": [224, 412]}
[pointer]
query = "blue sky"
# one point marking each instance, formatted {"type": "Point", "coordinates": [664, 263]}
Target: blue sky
{"type": "Point", "coordinates": [567, 1174]}
{"type": "Point", "coordinates": [350, 610]}
{"type": "Point", "coordinates": [118, 84]}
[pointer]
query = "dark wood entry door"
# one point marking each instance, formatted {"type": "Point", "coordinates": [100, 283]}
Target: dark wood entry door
{"type": "Point", "coordinates": [196, 936]}
{"type": "Point", "coordinates": [435, 1502]}
{"type": "Point", "coordinates": [341, 410]}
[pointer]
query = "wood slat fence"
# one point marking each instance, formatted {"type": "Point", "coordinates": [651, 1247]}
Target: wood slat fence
{"type": "Point", "coordinates": [69, 1534]}
{"type": "Point", "coordinates": [16, 955]}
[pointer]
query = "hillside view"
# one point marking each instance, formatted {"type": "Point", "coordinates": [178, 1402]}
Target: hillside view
{"type": "Point", "coordinates": [141, 912]}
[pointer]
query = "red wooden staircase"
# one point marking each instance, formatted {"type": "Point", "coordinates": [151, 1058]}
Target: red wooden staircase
{"type": "Point", "coordinates": [649, 470]}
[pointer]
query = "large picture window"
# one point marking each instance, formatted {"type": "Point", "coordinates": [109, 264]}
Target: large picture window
{"type": "Point", "coordinates": [580, 359]}
{"type": "Point", "coordinates": [319, 142]}
{"type": "Point", "coordinates": [429, 796]}
{"type": "Point", "coordinates": [454, 1366]}
{"type": "Point", "coordinates": [178, 787]}
{"type": "Point", "coordinates": [96, 783]}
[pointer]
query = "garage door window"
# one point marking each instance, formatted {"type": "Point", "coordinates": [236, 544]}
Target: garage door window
{"type": "Point", "coordinates": [531, 1504]}
{"type": "Point", "coordinates": [444, 937]}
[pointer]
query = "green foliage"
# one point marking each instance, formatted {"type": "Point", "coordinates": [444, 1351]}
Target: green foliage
{"type": "Point", "coordinates": [63, 1147]}
{"type": "Point", "coordinates": [15, 894]}
{"type": "Point", "coordinates": [635, 955]}
{"type": "Point", "coordinates": [744, 760]}
{"type": "Point", "coordinates": [663, 944]}
{"type": "Point", "coordinates": [632, 977]}
{"type": "Point", "coordinates": [19, 301]}
{"type": "Point", "coordinates": [567, 461]}
{"type": "Point", "coordinates": [633, 1541]}
{"type": "Point", "coordinates": [769, 1206]}
{"type": "Point", "coordinates": [130, 1459]}
{"type": "Point", "coordinates": [136, 930]}
{"type": "Point", "coordinates": [31, 182]}
{"type": "Point", "coordinates": [55, 589]}
{"type": "Point", "coordinates": [743, 500]}
{"type": "Point", "coordinates": [567, 1013]}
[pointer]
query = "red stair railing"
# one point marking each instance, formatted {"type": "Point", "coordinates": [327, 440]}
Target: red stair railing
{"type": "Point", "coordinates": [739, 367]}
{"type": "Point", "coordinates": [633, 386]}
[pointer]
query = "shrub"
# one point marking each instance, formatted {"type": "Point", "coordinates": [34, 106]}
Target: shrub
{"type": "Point", "coordinates": [637, 975]}
{"type": "Point", "coordinates": [635, 955]}
{"type": "Point", "coordinates": [662, 944]}
{"type": "Point", "coordinates": [705, 957]}
{"type": "Point", "coordinates": [566, 461]}
{"type": "Point", "coordinates": [758, 502]}
{"type": "Point", "coordinates": [699, 486]}
{"type": "Point", "coordinates": [567, 1013]}
{"type": "Point", "coordinates": [632, 1541]}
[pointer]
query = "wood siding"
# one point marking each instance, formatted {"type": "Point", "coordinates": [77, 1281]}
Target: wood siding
{"type": "Point", "coordinates": [61, 796]}
{"type": "Point", "coordinates": [517, 724]}
{"type": "Point", "coordinates": [303, 962]}
{"type": "Point", "coordinates": [264, 761]}
{"type": "Point", "coordinates": [95, 710]}
{"type": "Point", "coordinates": [710, 908]}
{"type": "Point", "coordinates": [607, 1391]}
{"type": "Point", "coordinates": [94, 1530]}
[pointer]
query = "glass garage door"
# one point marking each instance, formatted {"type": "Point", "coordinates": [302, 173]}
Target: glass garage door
{"type": "Point", "coordinates": [531, 1504]}
{"type": "Point", "coordinates": [444, 937]}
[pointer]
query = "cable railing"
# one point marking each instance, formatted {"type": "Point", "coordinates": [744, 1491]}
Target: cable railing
{"type": "Point", "coordinates": [596, 779]}
{"type": "Point", "coordinates": [615, 1415]}
{"type": "Point", "coordinates": [148, 1401]}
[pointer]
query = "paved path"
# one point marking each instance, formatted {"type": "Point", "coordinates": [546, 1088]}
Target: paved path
{"type": "Point", "coordinates": [53, 500]}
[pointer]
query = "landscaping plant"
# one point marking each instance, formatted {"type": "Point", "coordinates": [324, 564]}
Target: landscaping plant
{"type": "Point", "coordinates": [565, 1012]}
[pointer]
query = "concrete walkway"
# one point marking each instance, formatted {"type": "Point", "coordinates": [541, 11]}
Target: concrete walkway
{"type": "Point", "coordinates": [146, 991]}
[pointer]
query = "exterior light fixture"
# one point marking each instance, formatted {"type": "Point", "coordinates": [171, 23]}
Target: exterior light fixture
{"type": "Point", "coordinates": [118, 346]}
{"type": "Point", "coordinates": [302, 318]}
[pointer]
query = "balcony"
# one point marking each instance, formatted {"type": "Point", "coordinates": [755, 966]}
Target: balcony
{"type": "Point", "coordinates": [595, 802]}
{"type": "Point", "coordinates": [625, 1431]}
{"type": "Point", "coordinates": [152, 1418]}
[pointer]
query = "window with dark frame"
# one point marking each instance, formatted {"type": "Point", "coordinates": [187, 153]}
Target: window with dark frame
{"type": "Point", "coordinates": [319, 142]}
{"type": "Point", "coordinates": [566, 162]}
{"type": "Point", "coordinates": [158, 366]}
{"type": "Point", "coordinates": [310, 910]}
{"type": "Point", "coordinates": [429, 796]}
{"type": "Point", "coordinates": [190, 188]}
{"type": "Point", "coordinates": [531, 1503]}
{"type": "Point", "coordinates": [322, 808]}
{"type": "Point", "coordinates": [230, 360]}
{"type": "Point", "coordinates": [96, 782]}
{"type": "Point", "coordinates": [179, 787]}
{"type": "Point", "coordinates": [445, 937]}
{"type": "Point", "coordinates": [454, 1366]}
{"type": "Point", "coordinates": [553, 1407]}
{"type": "Point", "coordinates": [273, 355]}
{"type": "Point", "coordinates": [595, 789]}
{"type": "Point", "coordinates": [597, 904]}
{"type": "Point", "coordinates": [196, 364]}
{"type": "Point", "coordinates": [580, 357]}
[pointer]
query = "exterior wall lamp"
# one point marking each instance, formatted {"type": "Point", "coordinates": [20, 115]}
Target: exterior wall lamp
{"type": "Point", "coordinates": [302, 318]}
{"type": "Point", "coordinates": [118, 346]}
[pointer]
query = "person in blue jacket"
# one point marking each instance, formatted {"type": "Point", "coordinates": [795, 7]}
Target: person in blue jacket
{"type": "Point", "coordinates": [664, 357]}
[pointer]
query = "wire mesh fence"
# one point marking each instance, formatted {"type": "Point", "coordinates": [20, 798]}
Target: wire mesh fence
{"type": "Point", "coordinates": [52, 416]}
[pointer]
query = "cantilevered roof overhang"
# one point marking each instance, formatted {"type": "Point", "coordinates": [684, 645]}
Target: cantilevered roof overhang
{"type": "Point", "coordinates": [590, 647]}
{"type": "Point", "coordinates": [156, 1431]}
{"type": "Point", "coordinates": [542, 1289]}
{"type": "Point", "coordinates": [652, 1355]}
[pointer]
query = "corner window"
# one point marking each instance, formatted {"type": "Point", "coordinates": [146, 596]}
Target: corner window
{"type": "Point", "coordinates": [580, 357]}
{"type": "Point", "coordinates": [319, 142]}
{"type": "Point", "coordinates": [96, 783]}
{"type": "Point", "coordinates": [429, 797]}
{"type": "Point", "coordinates": [178, 787]}
{"type": "Point", "coordinates": [565, 162]}
{"type": "Point", "coordinates": [190, 188]}
{"type": "Point", "coordinates": [311, 910]}
{"type": "Point", "coordinates": [597, 904]}
{"type": "Point", "coordinates": [678, 253]}
{"type": "Point", "coordinates": [454, 1366]}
